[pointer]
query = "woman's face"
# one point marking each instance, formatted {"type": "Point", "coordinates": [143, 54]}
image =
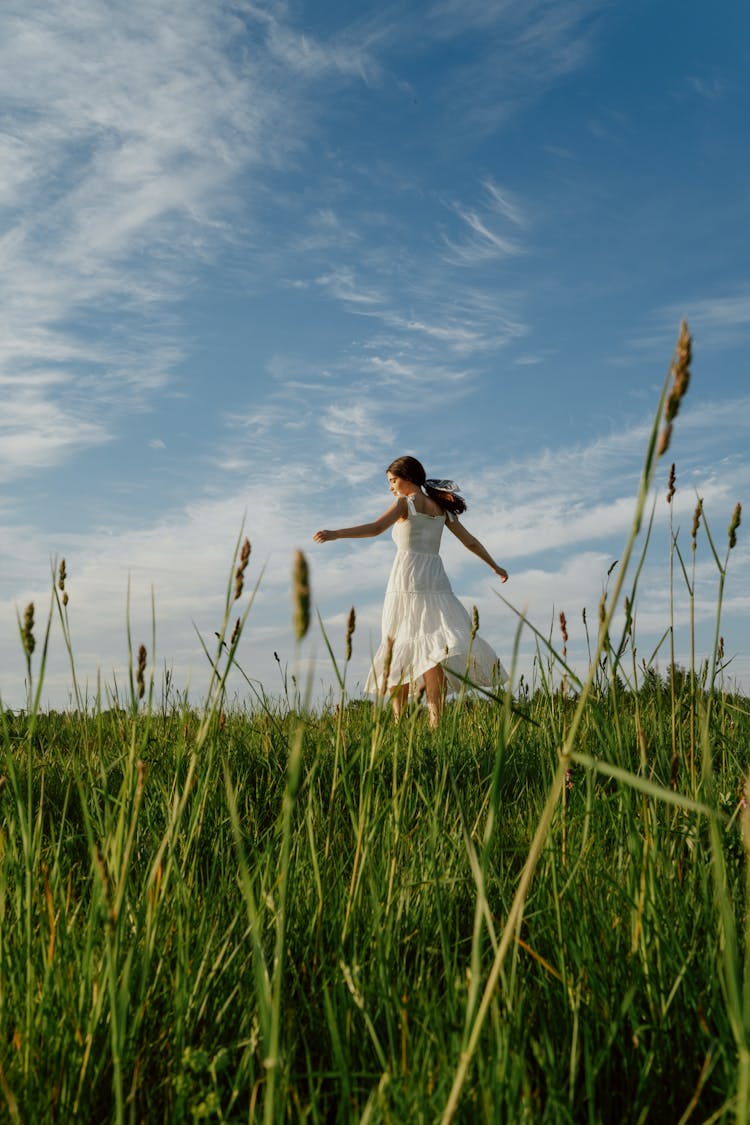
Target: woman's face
{"type": "Point", "coordinates": [396, 485]}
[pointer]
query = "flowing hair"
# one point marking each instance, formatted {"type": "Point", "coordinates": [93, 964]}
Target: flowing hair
{"type": "Point", "coordinates": [408, 468]}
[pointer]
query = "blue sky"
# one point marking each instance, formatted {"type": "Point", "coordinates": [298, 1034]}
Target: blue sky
{"type": "Point", "coordinates": [253, 252]}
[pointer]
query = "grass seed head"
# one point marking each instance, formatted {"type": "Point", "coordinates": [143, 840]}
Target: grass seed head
{"type": "Point", "coordinates": [239, 574]}
{"type": "Point", "coordinates": [235, 632]}
{"type": "Point", "coordinates": [680, 374]}
{"type": "Point", "coordinates": [671, 484]}
{"type": "Point", "coordinates": [734, 523]}
{"type": "Point", "coordinates": [564, 633]}
{"type": "Point", "coordinates": [61, 576]}
{"type": "Point", "coordinates": [27, 631]}
{"type": "Point", "coordinates": [474, 621]}
{"type": "Point", "coordinates": [680, 382]}
{"type": "Point", "coordinates": [696, 522]}
{"type": "Point", "coordinates": [350, 626]}
{"type": "Point", "coordinates": [664, 439]}
{"type": "Point", "coordinates": [301, 595]}
{"type": "Point", "coordinates": [603, 609]}
{"type": "Point", "coordinates": [140, 678]}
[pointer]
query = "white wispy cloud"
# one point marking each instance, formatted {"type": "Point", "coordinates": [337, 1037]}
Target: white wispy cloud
{"type": "Point", "coordinates": [519, 51]}
{"type": "Point", "coordinates": [467, 321]}
{"type": "Point", "coordinates": [326, 231]}
{"type": "Point", "coordinates": [711, 87]}
{"type": "Point", "coordinates": [715, 320]}
{"type": "Point", "coordinates": [397, 371]}
{"type": "Point", "coordinates": [37, 434]}
{"type": "Point", "coordinates": [358, 421]}
{"type": "Point", "coordinates": [457, 335]}
{"type": "Point", "coordinates": [344, 53]}
{"type": "Point", "coordinates": [503, 201]}
{"type": "Point", "coordinates": [529, 360]}
{"type": "Point", "coordinates": [486, 242]}
{"type": "Point", "coordinates": [119, 165]}
{"type": "Point", "coordinates": [573, 496]}
{"type": "Point", "coordinates": [343, 285]}
{"type": "Point", "coordinates": [428, 308]}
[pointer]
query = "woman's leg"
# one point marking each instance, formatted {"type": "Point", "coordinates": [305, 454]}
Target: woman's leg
{"type": "Point", "coordinates": [399, 699]}
{"type": "Point", "coordinates": [434, 688]}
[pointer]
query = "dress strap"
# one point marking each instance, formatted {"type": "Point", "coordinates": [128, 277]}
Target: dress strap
{"type": "Point", "coordinates": [410, 504]}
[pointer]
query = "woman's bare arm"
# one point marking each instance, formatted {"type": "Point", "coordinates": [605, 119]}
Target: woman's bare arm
{"type": "Point", "coordinates": [472, 544]}
{"type": "Point", "coordinates": [366, 530]}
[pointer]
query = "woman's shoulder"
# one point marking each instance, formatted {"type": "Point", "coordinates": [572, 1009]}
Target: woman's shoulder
{"type": "Point", "coordinates": [425, 505]}
{"type": "Point", "coordinates": [401, 507]}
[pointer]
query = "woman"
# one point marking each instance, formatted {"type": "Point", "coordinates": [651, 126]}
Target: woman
{"type": "Point", "coordinates": [428, 640]}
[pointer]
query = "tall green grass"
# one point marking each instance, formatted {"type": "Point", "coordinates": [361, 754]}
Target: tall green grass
{"type": "Point", "coordinates": [535, 914]}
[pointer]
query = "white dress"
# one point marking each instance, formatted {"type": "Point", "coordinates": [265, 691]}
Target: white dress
{"type": "Point", "coordinates": [427, 622]}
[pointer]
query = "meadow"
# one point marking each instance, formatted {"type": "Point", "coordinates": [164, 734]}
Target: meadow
{"type": "Point", "coordinates": [272, 913]}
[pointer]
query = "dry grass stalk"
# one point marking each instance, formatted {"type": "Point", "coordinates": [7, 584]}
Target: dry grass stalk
{"type": "Point", "coordinates": [239, 574]}
{"type": "Point", "coordinates": [680, 383]}
{"type": "Point", "coordinates": [301, 595]}
{"type": "Point", "coordinates": [350, 626]}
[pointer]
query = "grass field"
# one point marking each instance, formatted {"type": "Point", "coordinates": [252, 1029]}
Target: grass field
{"type": "Point", "coordinates": [535, 914]}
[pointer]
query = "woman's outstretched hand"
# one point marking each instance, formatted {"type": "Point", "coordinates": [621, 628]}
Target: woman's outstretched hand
{"type": "Point", "coordinates": [324, 536]}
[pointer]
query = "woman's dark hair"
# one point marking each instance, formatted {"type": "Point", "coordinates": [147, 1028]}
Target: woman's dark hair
{"type": "Point", "coordinates": [408, 468]}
